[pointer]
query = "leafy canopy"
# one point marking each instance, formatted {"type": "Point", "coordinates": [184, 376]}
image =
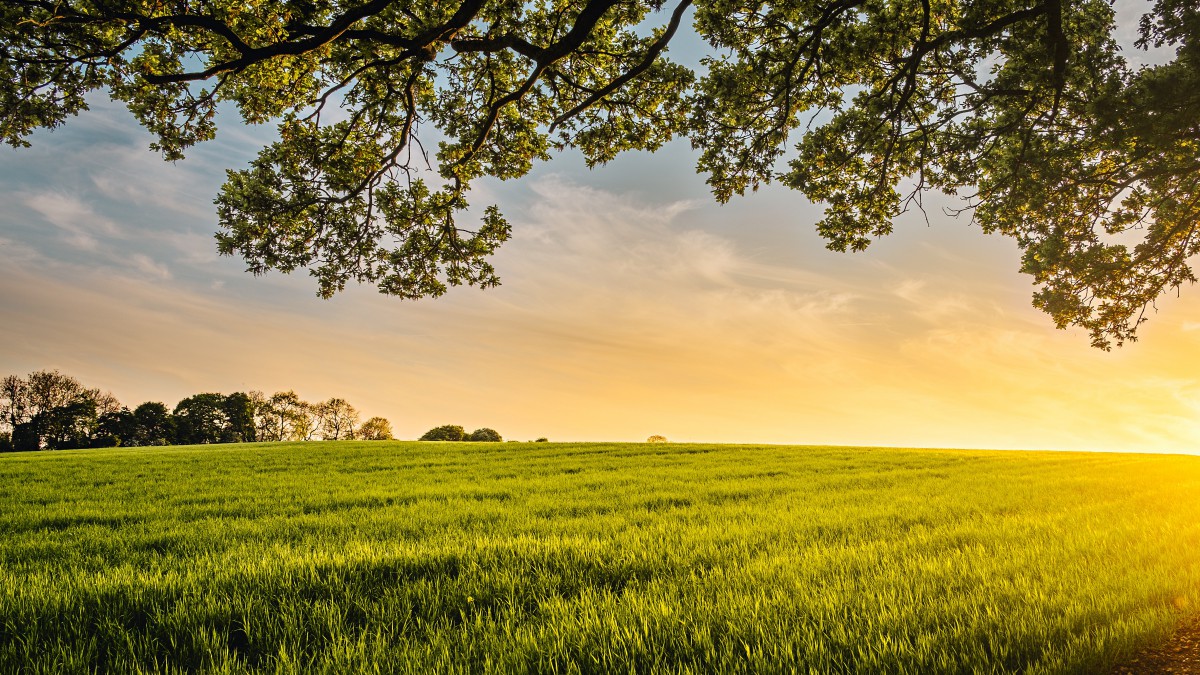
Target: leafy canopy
{"type": "Point", "coordinates": [375, 429]}
{"type": "Point", "coordinates": [446, 432]}
{"type": "Point", "coordinates": [484, 435]}
{"type": "Point", "coordinates": [1024, 108]}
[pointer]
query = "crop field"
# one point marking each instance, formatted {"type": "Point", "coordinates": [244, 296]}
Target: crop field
{"type": "Point", "coordinates": [504, 557]}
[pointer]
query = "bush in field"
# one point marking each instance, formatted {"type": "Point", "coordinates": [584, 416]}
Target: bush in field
{"type": "Point", "coordinates": [448, 432]}
{"type": "Point", "coordinates": [543, 439]}
{"type": "Point", "coordinates": [485, 435]}
{"type": "Point", "coordinates": [375, 429]}
{"type": "Point", "coordinates": [657, 439]}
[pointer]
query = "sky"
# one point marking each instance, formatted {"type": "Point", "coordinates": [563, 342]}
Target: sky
{"type": "Point", "coordinates": [631, 304]}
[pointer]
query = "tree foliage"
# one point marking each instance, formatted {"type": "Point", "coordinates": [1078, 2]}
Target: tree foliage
{"type": "Point", "coordinates": [49, 410]}
{"type": "Point", "coordinates": [284, 418]}
{"type": "Point", "coordinates": [115, 427]}
{"type": "Point", "coordinates": [446, 432]}
{"type": "Point", "coordinates": [239, 409]}
{"type": "Point", "coordinates": [338, 419]}
{"type": "Point", "coordinates": [484, 435]}
{"type": "Point", "coordinates": [153, 424]}
{"type": "Point", "coordinates": [67, 426]}
{"type": "Point", "coordinates": [375, 429]}
{"type": "Point", "coordinates": [200, 419]}
{"type": "Point", "coordinates": [455, 432]}
{"type": "Point", "coordinates": [1025, 108]}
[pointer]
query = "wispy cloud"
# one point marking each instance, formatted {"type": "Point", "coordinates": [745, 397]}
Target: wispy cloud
{"type": "Point", "coordinates": [148, 267]}
{"type": "Point", "coordinates": [81, 226]}
{"type": "Point", "coordinates": [14, 252]}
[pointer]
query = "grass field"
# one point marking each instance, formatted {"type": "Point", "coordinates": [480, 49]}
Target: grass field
{"type": "Point", "coordinates": [416, 557]}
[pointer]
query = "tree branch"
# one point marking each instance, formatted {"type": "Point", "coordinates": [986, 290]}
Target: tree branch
{"type": "Point", "coordinates": [651, 54]}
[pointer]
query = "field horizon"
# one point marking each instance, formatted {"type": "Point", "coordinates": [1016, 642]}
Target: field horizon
{"type": "Point", "coordinates": [343, 556]}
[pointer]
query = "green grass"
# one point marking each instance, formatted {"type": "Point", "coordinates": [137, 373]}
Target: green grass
{"type": "Point", "coordinates": [393, 557]}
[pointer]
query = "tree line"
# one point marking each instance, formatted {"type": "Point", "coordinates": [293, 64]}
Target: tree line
{"type": "Point", "coordinates": [50, 411]}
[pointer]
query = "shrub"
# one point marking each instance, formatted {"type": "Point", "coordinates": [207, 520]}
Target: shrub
{"type": "Point", "coordinates": [543, 439]}
{"type": "Point", "coordinates": [448, 432]}
{"type": "Point", "coordinates": [657, 439]}
{"type": "Point", "coordinates": [485, 435]}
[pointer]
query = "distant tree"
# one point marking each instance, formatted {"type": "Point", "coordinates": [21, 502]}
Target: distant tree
{"type": "Point", "coordinates": [50, 410]}
{"type": "Point", "coordinates": [54, 411]}
{"type": "Point", "coordinates": [115, 428]}
{"type": "Point", "coordinates": [58, 425]}
{"type": "Point", "coordinates": [375, 429]}
{"type": "Point", "coordinates": [656, 439]}
{"type": "Point", "coordinates": [484, 435]}
{"type": "Point", "coordinates": [106, 401]}
{"type": "Point", "coordinates": [448, 432]}
{"type": "Point", "coordinates": [200, 419]}
{"type": "Point", "coordinates": [48, 389]}
{"type": "Point", "coordinates": [14, 402]}
{"type": "Point", "coordinates": [309, 422]}
{"type": "Point", "coordinates": [153, 424]}
{"type": "Point", "coordinates": [68, 426]}
{"type": "Point", "coordinates": [543, 439]}
{"type": "Point", "coordinates": [288, 417]}
{"type": "Point", "coordinates": [338, 419]}
{"type": "Point", "coordinates": [264, 419]}
{"type": "Point", "coordinates": [26, 437]}
{"type": "Point", "coordinates": [240, 410]}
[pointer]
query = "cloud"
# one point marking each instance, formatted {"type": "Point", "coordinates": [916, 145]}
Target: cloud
{"type": "Point", "coordinates": [576, 245]}
{"type": "Point", "coordinates": [148, 267]}
{"type": "Point", "coordinates": [102, 241]}
{"type": "Point", "coordinates": [80, 224]}
{"type": "Point", "coordinates": [15, 252]}
{"type": "Point", "coordinates": [137, 177]}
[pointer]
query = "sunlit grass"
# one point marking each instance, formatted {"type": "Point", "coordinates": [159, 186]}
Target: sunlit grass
{"type": "Point", "coordinates": [347, 557]}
